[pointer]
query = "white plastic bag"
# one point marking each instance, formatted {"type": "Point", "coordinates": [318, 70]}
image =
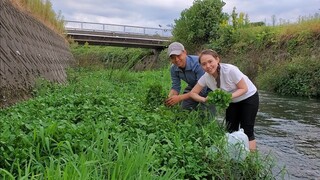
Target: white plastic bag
{"type": "Point", "coordinates": [237, 145]}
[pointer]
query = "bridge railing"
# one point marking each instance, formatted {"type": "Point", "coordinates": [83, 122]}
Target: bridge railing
{"type": "Point", "coordinates": [127, 29]}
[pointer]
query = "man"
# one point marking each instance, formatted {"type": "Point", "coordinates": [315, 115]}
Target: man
{"type": "Point", "coordinates": [187, 68]}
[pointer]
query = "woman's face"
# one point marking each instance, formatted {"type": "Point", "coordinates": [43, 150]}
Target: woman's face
{"type": "Point", "coordinates": [209, 63]}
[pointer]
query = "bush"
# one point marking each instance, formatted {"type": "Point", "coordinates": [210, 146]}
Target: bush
{"type": "Point", "coordinates": [300, 77]}
{"type": "Point", "coordinates": [108, 57]}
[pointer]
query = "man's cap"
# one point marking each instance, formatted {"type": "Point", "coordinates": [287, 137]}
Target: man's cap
{"type": "Point", "coordinates": [175, 48]}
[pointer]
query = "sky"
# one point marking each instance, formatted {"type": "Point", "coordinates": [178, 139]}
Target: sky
{"type": "Point", "coordinates": [162, 13]}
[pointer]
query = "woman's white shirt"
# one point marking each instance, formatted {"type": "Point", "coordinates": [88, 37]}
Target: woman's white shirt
{"type": "Point", "coordinates": [230, 75]}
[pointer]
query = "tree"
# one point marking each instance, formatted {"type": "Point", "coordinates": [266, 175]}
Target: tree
{"type": "Point", "coordinates": [234, 16]}
{"type": "Point", "coordinates": [274, 19]}
{"type": "Point", "coordinates": [260, 23]}
{"type": "Point", "coordinates": [199, 24]}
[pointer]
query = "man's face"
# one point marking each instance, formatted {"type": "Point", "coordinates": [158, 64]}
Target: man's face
{"type": "Point", "coordinates": [179, 60]}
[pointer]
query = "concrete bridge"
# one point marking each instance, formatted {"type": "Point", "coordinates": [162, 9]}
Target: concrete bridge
{"type": "Point", "coordinates": [118, 35]}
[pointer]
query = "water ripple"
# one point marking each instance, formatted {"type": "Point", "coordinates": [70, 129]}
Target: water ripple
{"type": "Point", "coordinates": [289, 129]}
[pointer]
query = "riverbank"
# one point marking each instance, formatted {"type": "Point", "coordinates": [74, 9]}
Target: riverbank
{"type": "Point", "coordinates": [88, 129]}
{"type": "Point", "coordinates": [283, 59]}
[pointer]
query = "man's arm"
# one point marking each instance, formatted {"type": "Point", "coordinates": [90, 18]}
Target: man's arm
{"type": "Point", "coordinates": [175, 98]}
{"type": "Point", "coordinates": [176, 82]}
{"type": "Point", "coordinates": [172, 92]}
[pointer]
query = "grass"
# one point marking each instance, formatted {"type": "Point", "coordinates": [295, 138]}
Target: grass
{"type": "Point", "coordinates": [101, 127]}
{"type": "Point", "coordinates": [42, 11]}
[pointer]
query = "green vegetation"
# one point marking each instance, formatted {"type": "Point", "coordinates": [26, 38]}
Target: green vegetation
{"type": "Point", "coordinates": [101, 127]}
{"type": "Point", "coordinates": [42, 10]}
{"type": "Point", "coordinates": [199, 23]}
{"type": "Point", "coordinates": [98, 57]}
{"type": "Point", "coordinates": [299, 77]}
{"type": "Point", "coordinates": [282, 59]}
{"type": "Point", "coordinates": [155, 96]}
{"type": "Point", "coordinates": [111, 123]}
{"type": "Point", "coordinates": [220, 98]}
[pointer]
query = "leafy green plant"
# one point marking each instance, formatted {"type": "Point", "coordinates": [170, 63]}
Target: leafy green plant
{"type": "Point", "coordinates": [43, 87]}
{"type": "Point", "coordinates": [220, 98]}
{"type": "Point", "coordinates": [86, 130]}
{"type": "Point", "coordinates": [155, 96]}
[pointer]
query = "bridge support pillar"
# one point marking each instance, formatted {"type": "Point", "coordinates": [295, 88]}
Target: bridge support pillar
{"type": "Point", "coordinates": [156, 53]}
{"type": "Point", "coordinates": [152, 61]}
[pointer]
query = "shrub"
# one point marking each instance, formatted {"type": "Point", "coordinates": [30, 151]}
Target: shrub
{"type": "Point", "coordinates": [300, 77]}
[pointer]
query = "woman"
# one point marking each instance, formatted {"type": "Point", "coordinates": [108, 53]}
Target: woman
{"type": "Point", "coordinates": [245, 99]}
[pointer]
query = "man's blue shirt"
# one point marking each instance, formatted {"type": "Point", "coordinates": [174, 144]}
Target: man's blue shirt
{"type": "Point", "coordinates": [191, 74]}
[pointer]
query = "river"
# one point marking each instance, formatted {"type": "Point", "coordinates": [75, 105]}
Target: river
{"type": "Point", "coordinates": [288, 129]}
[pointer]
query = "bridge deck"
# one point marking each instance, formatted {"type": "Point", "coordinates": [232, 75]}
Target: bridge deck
{"type": "Point", "coordinates": [124, 38]}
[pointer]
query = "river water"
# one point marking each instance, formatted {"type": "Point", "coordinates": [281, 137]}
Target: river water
{"type": "Point", "coordinates": [288, 129]}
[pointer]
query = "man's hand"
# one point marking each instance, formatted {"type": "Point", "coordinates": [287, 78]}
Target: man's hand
{"type": "Point", "coordinates": [172, 100]}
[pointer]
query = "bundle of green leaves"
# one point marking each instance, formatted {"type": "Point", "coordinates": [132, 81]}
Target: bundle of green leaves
{"type": "Point", "coordinates": [220, 98]}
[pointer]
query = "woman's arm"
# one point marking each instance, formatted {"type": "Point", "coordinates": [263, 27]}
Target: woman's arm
{"type": "Point", "coordinates": [194, 93]}
{"type": "Point", "coordinates": [242, 88]}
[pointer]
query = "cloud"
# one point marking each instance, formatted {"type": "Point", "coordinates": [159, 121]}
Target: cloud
{"type": "Point", "coordinates": [142, 12]}
{"type": "Point", "coordinates": [152, 13]}
{"type": "Point", "coordinates": [283, 9]}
